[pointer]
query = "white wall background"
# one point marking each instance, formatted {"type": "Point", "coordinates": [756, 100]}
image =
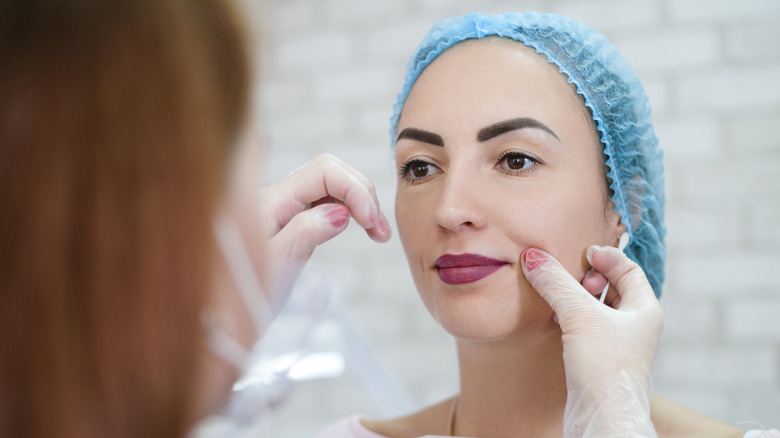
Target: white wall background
{"type": "Point", "coordinates": [331, 72]}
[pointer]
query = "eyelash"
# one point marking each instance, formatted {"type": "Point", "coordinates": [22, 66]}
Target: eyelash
{"type": "Point", "coordinates": [405, 168]}
{"type": "Point", "coordinates": [515, 154]}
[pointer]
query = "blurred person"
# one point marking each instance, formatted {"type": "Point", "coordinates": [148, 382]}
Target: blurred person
{"type": "Point", "coordinates": [121, 145]}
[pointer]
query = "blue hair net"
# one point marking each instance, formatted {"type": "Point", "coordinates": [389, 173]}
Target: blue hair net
{"type": "Point", "coordinates": [613, 93]}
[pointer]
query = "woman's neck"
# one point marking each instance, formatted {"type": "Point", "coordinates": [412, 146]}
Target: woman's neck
{"type": "Point", "coordinates": [512, 388]}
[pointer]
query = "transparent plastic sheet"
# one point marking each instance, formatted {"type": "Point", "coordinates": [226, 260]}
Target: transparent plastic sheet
{"type": "Point", "coordinates": [313, 337]}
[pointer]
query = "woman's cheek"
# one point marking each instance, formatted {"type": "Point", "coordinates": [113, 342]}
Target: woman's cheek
{"type": "Point", "coordinates": [551, 230]}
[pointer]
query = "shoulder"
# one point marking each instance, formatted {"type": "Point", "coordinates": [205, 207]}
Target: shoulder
{"type": "Point", "coordinates": [433, 420]}
{"type": "Point", "coordinates": [672, 420]}
{"type": "Point", "coordinates": [349, 427]}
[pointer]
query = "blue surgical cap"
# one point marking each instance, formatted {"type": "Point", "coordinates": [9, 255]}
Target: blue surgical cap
{"type": "Point", "coordinates": [613, 93]}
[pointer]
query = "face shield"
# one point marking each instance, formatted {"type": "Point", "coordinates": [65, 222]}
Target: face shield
{"type": "Point", "coordinates": [307, 336]}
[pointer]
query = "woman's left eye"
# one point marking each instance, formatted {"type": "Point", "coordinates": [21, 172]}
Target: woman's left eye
{"type": "Point", "coordinates": [515, 163]}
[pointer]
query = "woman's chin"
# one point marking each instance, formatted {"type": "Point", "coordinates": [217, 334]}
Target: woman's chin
{"type": "Point", "coordinates": [478, 334]}
{"type": "Point", "coordinates": [494, 326]}
{"type": "Point", "coordinates": [489, 314]}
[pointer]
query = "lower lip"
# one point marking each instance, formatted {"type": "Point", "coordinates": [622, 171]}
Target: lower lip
{"type": "Point", "coordinates": [467, 274]}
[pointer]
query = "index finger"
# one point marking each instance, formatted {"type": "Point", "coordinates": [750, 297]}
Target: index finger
{"type": "Point", "coordinates": [555, 284]}
{"type": "Point", "coordinates": [324, 176]}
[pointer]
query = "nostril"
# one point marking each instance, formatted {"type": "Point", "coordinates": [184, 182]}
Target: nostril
{"type": "Point", "coordinates": [456, 208]}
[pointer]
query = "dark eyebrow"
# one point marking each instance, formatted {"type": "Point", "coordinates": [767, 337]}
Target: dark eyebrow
{"type": "Point", "coordinates": [423, 136]}
{"type": "Point", "coordinates": [499, 128]}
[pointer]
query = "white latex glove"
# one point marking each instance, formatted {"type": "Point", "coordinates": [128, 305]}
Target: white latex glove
{"type": "Point", "coordinates": [313, 205]}
{"type": "Point", "coordinates": [608, 353]}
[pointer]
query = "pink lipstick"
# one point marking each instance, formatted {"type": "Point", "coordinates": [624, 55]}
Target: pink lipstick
{"type": "Point", "coordinates": [466, 268]}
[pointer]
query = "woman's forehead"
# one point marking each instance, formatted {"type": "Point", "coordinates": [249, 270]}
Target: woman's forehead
{"type": "Point", "coordinates": [486, 53]}
{"type": "Point", "coordinates": [483, 81]}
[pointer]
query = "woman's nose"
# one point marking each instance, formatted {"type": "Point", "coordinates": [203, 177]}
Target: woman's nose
{"type": "Point", "coordinates": [458, 205]}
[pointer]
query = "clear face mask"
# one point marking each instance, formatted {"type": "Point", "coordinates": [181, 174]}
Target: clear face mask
{"type": "Point", "coordinates": [245, 408]}
{"type": "Point", "coordinates": [220, 325]}
{"type": "Point", "coordinates": [283, 326]}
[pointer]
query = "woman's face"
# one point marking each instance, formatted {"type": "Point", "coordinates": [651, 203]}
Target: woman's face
{"type": "Point", "coordinates": [496, 153]}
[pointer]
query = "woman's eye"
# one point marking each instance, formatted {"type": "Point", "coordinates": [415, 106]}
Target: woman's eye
{"type": "Point", "coordinates": [420, 170]}
{"type": "Point", "coordinates": [416, 171]}
{"type": "Point", "coordinates": [515, 162]}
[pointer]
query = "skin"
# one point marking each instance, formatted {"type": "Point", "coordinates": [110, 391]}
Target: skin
{"type": "Point", "coordinates": [461, 195]}
{"type": "Point", "coordinates": [469, 203]}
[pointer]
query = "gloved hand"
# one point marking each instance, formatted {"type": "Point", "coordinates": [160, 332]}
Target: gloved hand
{"type": "Point", "coordinates": [608, 352]}
{"type": "Point", "coordinates": [312, 205]}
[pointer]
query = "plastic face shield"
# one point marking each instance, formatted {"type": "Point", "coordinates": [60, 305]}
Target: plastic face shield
{"type": "Point", "coordinates": [267, 369]}
{"type": "Point", "coordinates": [245, 407]}
{"type": "Point", "coordinates": [311, 337]}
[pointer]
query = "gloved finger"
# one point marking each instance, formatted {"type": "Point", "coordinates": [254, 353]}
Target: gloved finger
{"type": "Point", "coordinates": [380, 233]}
{"type": "Point", "coordinates": [323, 177]}
{"type": "Point", "coordinates": [561, 291]}
{"type": "Point", "coordinates": [318, 180]}
{"type": "Point", "coordinates": [297, 240]}
{"type": "Point", "coordinates": [626, 276]}
{"type": "Point", "coordinates": [593, 282]}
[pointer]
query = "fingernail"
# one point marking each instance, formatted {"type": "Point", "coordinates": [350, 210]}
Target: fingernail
{"type": "Point", "coordinates": [380, 233]}
{"type": "Point", "coordinates": [590, 251]}
{"type": "Point", "coordinates": [337, 215]}
{"type": "Point", "coordinates": [533, 258]}
{"type": "Point", "coordinates": [383, 223]}
{"type": "Point", "coordinates": [384, 228]}
{"type": "Point", "coordinates": [374, 214]}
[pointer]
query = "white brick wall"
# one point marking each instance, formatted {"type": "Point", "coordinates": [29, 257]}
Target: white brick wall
{"type": "Point", "coordinates": [755, 319]}
{"type": "Point", "coordinates": [612, 14]}
{"type": "Point", "coordinates": [750, 88]}
{"type": "Point", "coordinates": [711, 12]}
{"type": "Point", "coordinates": [332, 69]}
{"type": "Point", "coordinates": [679, 50]}
{"type": "Point", "coordinates": [751, 42]}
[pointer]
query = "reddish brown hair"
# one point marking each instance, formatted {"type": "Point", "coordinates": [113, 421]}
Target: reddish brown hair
{"type": "Point", "coordinates": [116, 122]}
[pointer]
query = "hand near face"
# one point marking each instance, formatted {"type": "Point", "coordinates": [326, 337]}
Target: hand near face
{"type": "Point", "coordinates": [313, 205]}
{"type": "Point", "coordinates": [608, 353]}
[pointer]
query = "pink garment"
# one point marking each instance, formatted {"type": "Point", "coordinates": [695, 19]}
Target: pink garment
{"type": "Point", "coordinates": [351, 427]}
{"type": "Point", "coordinates": [772, 433]}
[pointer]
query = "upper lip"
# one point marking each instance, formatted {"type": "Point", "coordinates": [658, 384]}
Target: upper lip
{"type": "Point", "coordinates": [464, 260]}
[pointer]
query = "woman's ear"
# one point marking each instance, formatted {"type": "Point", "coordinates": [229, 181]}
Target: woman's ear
{"type": "Point", "coordinates": [615, 225]}
{"type": "Point", "coordinates": [620, 228]}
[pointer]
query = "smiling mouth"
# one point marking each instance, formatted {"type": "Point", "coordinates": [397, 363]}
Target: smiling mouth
{"type": "Point", "coordinates": [466, 268]}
